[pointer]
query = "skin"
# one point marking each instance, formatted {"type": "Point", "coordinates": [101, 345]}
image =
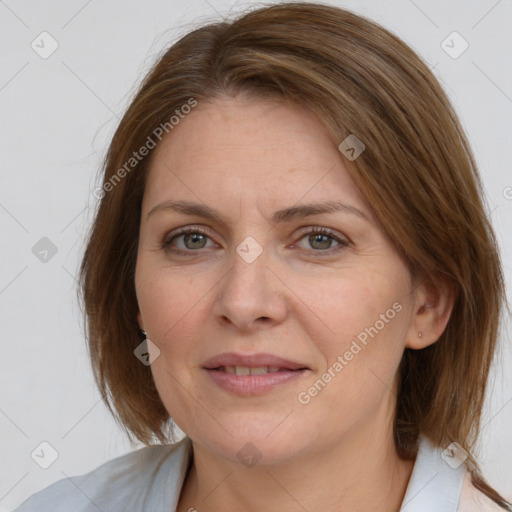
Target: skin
{"type": "Point", "coordinates": [302, 299]}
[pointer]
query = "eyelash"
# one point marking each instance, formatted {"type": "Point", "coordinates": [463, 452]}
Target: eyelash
{"type": "Point", "coordinates": [315, 230]}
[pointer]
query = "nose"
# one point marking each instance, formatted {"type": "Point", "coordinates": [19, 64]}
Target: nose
{"type": "Point", "coordinates": [251, 295]}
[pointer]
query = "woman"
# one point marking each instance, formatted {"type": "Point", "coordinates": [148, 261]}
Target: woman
{"type": "Point", "coordinates": [291, 262]}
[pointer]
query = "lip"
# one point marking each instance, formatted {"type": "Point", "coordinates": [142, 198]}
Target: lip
{"type": "Point", "coordinates": [252, 361]}
{"type": "Point", "coordinates": [250, 385]}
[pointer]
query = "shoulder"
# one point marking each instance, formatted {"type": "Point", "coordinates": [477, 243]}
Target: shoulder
{"type": "Point", "coordinates": [473, 500]}
{"type": "Point", "coordinates": [125, 483]}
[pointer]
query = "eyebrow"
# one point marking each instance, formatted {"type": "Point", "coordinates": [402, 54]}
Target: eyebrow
{"type": "Point", "coordinates": [284, 215]}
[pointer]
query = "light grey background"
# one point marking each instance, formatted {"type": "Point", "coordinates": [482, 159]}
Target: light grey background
{"type": "Point", "coordinates": [57, 116]}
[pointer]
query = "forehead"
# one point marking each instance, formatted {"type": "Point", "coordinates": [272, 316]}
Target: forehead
{"type": "Point", "coordinates": [273, 151]}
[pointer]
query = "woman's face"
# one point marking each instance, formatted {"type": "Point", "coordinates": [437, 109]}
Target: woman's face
{"type": "Point", "coordinates": [269, 333]}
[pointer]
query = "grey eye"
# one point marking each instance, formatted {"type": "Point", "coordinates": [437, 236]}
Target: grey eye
{"type": "Point", "coordinates": [320, 241]}
{"type": "Point", "coordinates": [196, 240]}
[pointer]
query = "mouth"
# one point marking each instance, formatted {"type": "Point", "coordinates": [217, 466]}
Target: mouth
{"type": "Point", "coordinates": [255, 370]}
{"type": "Point", "coordinates": [260, 363]}
{"type": "Point", "coordinates": [249, 375]}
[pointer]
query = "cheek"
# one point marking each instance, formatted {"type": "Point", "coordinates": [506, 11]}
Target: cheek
{"type": "Point", "coordinates": [169, 302]}
{"type": "Point", "coordinates": [171, 305]}
{"type": "Point", "coordinates": [175, 307]}
{"type": "Point", "coordinates": [366, 317]}
{"type": "Point", "coordinates": [361, 352]}
{"type": "Point", "coordinates": [355, 302]}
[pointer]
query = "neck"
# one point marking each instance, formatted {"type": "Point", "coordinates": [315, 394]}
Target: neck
{"type": "Point", "coordinates": [360, 472]}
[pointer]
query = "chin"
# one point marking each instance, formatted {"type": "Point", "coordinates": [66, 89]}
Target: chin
{"type": "Point", "coordinates": [263, 452]}
{"type": "Point", "coordinates": [253, 441]}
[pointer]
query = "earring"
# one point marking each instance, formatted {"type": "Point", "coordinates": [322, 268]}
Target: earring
{"type": "Point", "coordinates": [420, 334]}
{"type": "Point", "coordinates": [143, 333]}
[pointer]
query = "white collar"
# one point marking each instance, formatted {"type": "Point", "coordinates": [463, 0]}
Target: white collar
{"type": "Point", "coordinates": [436, 481]}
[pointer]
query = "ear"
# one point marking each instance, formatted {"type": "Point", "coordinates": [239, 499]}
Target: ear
{"type": "Point", "coordinates": [434, 304]}
{"type": "Point", "coordinates": [140, 322]}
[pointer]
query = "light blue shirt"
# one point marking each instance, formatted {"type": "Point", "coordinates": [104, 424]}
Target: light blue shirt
{"type": "Point", "coordinates": [150, 480]}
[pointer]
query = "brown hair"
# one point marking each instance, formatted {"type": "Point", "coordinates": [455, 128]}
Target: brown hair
{"type": "Point", "coordinates": [417, 172]}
